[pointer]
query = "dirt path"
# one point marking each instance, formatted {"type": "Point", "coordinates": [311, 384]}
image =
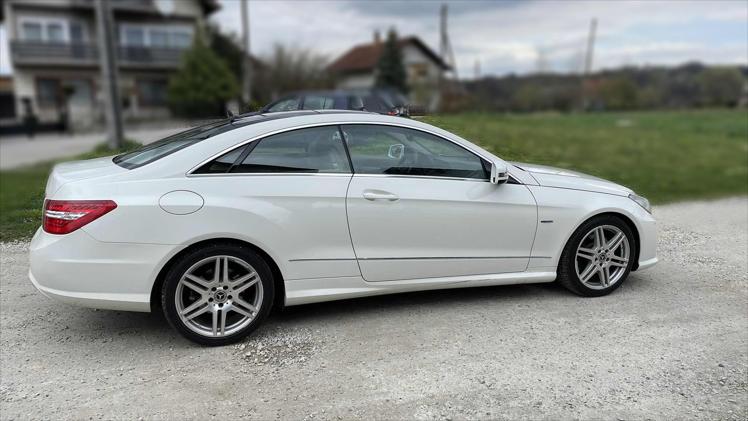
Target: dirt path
{"type": "Point", "coordinates": [671, 343]}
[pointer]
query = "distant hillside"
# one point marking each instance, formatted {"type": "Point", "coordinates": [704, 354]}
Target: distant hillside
{"type": "Point", "coordinates": [691, 85]}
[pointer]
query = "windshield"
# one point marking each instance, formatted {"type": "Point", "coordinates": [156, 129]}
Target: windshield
{"type": "Point", "coordinates": [171, 144]}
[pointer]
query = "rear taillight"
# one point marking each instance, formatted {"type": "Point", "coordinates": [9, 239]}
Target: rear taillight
{"type": "Point", "coordinates": [65, 216]}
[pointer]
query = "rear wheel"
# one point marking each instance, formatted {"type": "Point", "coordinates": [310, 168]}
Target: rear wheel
{"type": "Point", "coordinates": [598, 257]}
{"type": "Point", "coordinates": [218, 294]}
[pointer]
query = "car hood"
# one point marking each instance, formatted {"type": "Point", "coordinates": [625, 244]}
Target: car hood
{"type": "Point", "coordinates": [567, 179]}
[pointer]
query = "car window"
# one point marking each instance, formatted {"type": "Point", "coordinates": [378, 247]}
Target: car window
{"type": "Point", "coordinates": [313, 150]}
{"type": "Point", "coordinates": [374, 104]}
{"type": "Point", "coordinates": [393, 150]}
{"type": "Point", "coordinates": [222, 164]}
{"type": "Point", "coordinates": [173, 143]}
{"type": "Point", "coordinates": [318, 102]}
{"type": "Point", "coordinates": [355, 102]}
{"type": "Point", "coordinates": [288, 104]}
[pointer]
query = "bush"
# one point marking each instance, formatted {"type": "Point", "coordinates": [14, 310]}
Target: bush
{"type": "Point", "coordinates": [203, 84]}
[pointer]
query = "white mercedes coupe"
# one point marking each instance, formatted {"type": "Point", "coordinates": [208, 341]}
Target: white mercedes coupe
{"type": "Point", "coordinates": [218, 224]}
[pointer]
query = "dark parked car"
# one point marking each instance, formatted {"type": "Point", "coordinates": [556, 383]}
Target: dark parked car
{"type": "Point", "coordinates": [378, 101]}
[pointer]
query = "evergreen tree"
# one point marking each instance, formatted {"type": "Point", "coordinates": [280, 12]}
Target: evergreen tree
{"type": "Point", "coordinates": [202, 85]}
{"type": "Point", "coordinates": [390, 69]}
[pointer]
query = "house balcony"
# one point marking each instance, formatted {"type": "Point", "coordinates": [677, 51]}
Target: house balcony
{"type": "Point", "coordinates": [42, 54]}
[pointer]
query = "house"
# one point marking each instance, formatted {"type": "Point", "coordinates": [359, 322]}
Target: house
{"type": "Point", "coordinates": [55, 60]}
{"type": "Point", "coordinates": [425, 69]}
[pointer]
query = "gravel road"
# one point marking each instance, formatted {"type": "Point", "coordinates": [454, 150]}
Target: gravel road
{"type": "Point", "coordinates": [671, 343]}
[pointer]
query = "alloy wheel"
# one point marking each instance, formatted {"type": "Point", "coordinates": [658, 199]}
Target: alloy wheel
{"type": "Point", "coordinates": [218, 296]}
{"type": "Point", "coordinates": [602, 257]}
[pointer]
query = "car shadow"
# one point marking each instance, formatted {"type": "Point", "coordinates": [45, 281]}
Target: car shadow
{"type": "Point", "coordinates": [409, 301]}
{"type": "Point", "coordinates": [152, 328]}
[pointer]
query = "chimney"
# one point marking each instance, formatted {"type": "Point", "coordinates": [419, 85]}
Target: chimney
{"type": "Point", "coordinates": [377, 37]}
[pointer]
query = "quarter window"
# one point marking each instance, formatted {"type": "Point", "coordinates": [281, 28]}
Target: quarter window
{"type": "Point", "coordinates": [313, 150]}
{"type": "Point", "coordinates": [391, 150]}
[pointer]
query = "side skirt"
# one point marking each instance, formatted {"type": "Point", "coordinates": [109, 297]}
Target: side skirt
{"type": "Point", "coordinates": [305, 291]}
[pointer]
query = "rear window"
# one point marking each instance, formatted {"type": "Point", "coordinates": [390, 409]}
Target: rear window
{"type": "Point", "coordinates": [173, 143]}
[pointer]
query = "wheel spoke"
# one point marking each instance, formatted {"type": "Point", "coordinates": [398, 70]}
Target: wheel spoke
{"type": "Point", "coordinates": [619, 261]}
{"type": "Point", "coordinates": [604, 276]}
{"type": "Point", "coordinates": [194, 283]}
{"type": "Point", "coordinates": [616, 241]}
{"type": "Point", "coordinates": [225, 277]}
{"type": "Point", "coordinates": [217, 271]}
{"type": "Point", "coordinates": [241, 287]}
{"type": "Point", "coordinates": [587, 273]}
{"type": "Point", "coordinates": [586, 253]}
{"type": "Point", "coordinates": [193, 306]}
{"type": "Point", "coordinates": [599, 237]}
{"type": "Point", "coordinates": [215, 322]}
{"type": "Point", "coordinates": [238, 281]}
{"type": "Point", "coordinates": [235, 308]}
{"type": "Point", "coordinates": [223, 322]}
{"type": "Point", "coordinates": [240, 304]}
{"type": "Point", "coordinates": [191, 315]}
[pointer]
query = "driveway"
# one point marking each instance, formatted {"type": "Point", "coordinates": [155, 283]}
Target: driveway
{"type": "Point", "coordinates": [671, 343]}
{"type": "Point", "coordinates": [20, 150]}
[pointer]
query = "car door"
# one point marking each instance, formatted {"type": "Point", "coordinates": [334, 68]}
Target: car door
{"type": "Point", "coordinates": [420, 206]}
{"type": "Point", "coordinates": [287, 192]}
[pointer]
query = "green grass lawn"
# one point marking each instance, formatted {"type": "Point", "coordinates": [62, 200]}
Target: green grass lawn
{"type": "Point", "coordinates": [666, 156]}
{"type": "Point", "coordinates": [22, 194]}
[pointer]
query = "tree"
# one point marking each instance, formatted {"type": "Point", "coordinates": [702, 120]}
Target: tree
{"type": "Point", "coordinates": [720, 86]}
{"type": "Point", "coordinates": [390, 69]}
{"type": "Point", "coordinates": [227, 47]}
{"type": "Point", "coordinates": [619, 93]}
{"type": "Point", "coordinates": [202, 85]}
{"type": "Point", "coordinates": [291, 69]}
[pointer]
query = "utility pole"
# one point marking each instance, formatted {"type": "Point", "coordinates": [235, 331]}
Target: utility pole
{"type": "Point", "coordinates": [542, 66]}
{"type": "Point", "coordinates": [247, 62]}
{"type": "Point", "coordinates": [445, 46]}
{"type": "Point", "coordinates": [590, 47]}
{"type": "Point", "coordinates": [109, 74]}
{"type": "Point", "coordinates": [588, 63]}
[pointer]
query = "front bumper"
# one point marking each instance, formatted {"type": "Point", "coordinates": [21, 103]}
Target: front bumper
{"type": "Point", "coordinates": [647, 241]}
{"type": "Point", "coordinates": [79, 270]}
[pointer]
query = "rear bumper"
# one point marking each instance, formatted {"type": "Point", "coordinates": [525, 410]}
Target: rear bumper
{"type": "Point", "coordinates": [79, 270]}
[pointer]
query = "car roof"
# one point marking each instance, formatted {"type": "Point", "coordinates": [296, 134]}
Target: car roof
{"type": "Point", "coordinates": [249, 127]}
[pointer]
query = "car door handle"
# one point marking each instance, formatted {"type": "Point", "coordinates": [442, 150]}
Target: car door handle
{"type": "Point", "coordinates": [379, 195]}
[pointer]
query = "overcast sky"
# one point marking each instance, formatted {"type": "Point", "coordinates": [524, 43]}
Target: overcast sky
{"type": "Point", "coordinates": [506, 36]}
{"type": "Point", "coordinates": [510, 36]}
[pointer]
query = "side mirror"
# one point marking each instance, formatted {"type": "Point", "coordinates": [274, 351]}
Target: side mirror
{"type": "Point", "coordinates": [499, 173]}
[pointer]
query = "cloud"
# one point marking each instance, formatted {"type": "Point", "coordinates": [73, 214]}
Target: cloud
{"type": "Point", "coordinates": [508, 36]}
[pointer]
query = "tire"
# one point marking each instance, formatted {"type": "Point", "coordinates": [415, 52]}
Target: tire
{"type": "Point", "coordinates": [584, 249]}
{"type": "Point", "coordinates": [217, 306]}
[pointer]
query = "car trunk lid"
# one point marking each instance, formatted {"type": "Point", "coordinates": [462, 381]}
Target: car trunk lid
{"type": "Point", "coordinates": [80, 170]}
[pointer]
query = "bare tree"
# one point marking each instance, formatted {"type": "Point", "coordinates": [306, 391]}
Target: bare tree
{"type": "Point", "coordinates": [291, 69]}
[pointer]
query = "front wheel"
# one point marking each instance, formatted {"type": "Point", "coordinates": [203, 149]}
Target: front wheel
{"type": "Point", "coordinates": [218, 294]}
{"type": "Point", "coordinates": [598, 257]}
